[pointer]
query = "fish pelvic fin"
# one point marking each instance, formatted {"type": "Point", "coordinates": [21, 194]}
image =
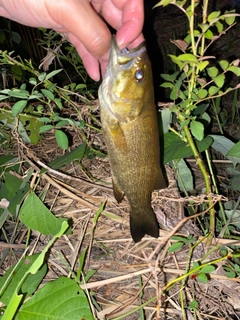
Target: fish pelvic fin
{"type": "Point", "coordinates": [143, 222]}
{"type": "Point", "coordinates": [117, 191]}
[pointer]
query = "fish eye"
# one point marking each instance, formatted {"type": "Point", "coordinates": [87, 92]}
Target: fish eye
{"type": "Point", "coordinates": [139, 75]}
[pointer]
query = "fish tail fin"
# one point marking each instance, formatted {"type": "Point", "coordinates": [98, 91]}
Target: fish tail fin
{"type": "Point", "coordinates": [144, 222]}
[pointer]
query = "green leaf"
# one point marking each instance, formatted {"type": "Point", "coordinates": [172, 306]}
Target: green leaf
{"type": "Point", "coordinates": [33, 81]}
{"type": "Point", "coordinates": [208, 34]}
{"type": "Point", "coordinates": [76, 154]}
{"type": "Point", "coordinates": [219, 80]}
{"type": "Point", "coordinates": [167, 85]}
{"type": "Point", "coordinates": [187, 57]}
{"type": "Point", "coordinates": [207, 269]}
{"type": "Point", "coordinates": [163, 3]}
{"type": "Point", "coordinates": [235, 70]}
{"type": "Point", "coordinates": [170, 77]}
{"type": "Point", "coordinates": [48, 94]}
{"type": "Point", "coordinates": [219, 26]}
{"type": "Point", "coordinates": [224, 64]}
{"type": "Point", "coordinates": [175, 247]}
{"type": "Point", "coordinates": [202, 93]}
{"type": "Point", "coordinates": [175, 148]}
{"type": "Point", "coordinates": [202, 278]}
{"type": "Point", "coordinates": [212, 72]}
{"type": "Point", "coordinates": [184, 176]}
{"type": "Point", "coordinates": [213, 16]}
{"type": "Point", "coordinates": [234, 150]}
{"type": "Point", "coordinates": [61, 299]}
{"type": "Point", "coordinates": [53, 73]}
{"type": "Point", "coordinates": [42, 76]}
{"type": "Point", "coordinates": [18, 107]}
{"type": "Point", "coordinates": [45, 128]}
{"type": "Point", "coordinates": [229, 19]}
{"type": "Point", "coordinates": [62, 139]}
{"type": "Point", "coordinates": [202, 65]}
{"type": "Point", "coordinates": [213, 90]}
{"type": "Point", "coordinates": [12, 279]}
{"type": "Point", "coordinates": [18, 94]}
{"type": "Point", "coordinates": [35, 215]}
{"type": "Point", "coordinates": [230, 274]}
{"type": "Point", "coordinates": [197, 129]}
{"type": "Point", "coordinates": [226, 147]}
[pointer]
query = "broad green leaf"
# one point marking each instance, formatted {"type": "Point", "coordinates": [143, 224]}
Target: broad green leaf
{"type": "Point", "coordinates": [30, 284]}
{"type": "Point", "coordinates": [61, 299]}
{"type": "Point", "coordinates": [53, 73]}
{"type": "Point", "coordinates": [202, 278]}
{"type": "Point", "coordinates": [224, 64]}
{"type": "Point", "coordinates": [213, 90]}
{"type": "Point", "coordinates": [219, 26]}
{"type": "Point", "coordinates": [62, 139]}
{"type": "Point", "coordinates": [219, 80]}
{"type": "Point", "coordinates": [212, 72]}
{"type": "Point", "coordinates": [197, 129]}
{"type": "Point", "coordinates": [226, 147]}
{"type": "Point", "coordinates": [187, 57]}
{"type": "Point", "coordinates": [58, 102]}
{"type": "Point", "coordinates": [81, 86]}
{"type": "Point", "coordinates": [229, 19]}
{"type": "Point", "coordinates": [165, 119]}
{"type": "Point", "coordinates": [48, 94]}
{"type": "Point", "coordinates": [169, 77]}
{"type": "Point", "coordinates": [18, 107]}
{"type": "Point", "coordinates": [76, 154]}
{"type": "Point", "coordinates": [234, 151]}
{"type": "Point", "coordinates": [175, 148]}
{"type": "Point", "coordinates": [33, 81]}
{"type": "Point", "coordinates": [207, 269]}
{"type": "Point", "coordinates": [19, 94]}
{"type": "Point", "coordinates": [3, 97]}
{"type": "Point", "coordinates": [167, 85]}
{"type": "Point", "coordinates": [35, 215]}
{"type": "Point", "coordinates": [202, 65]}
{"type": "Point", "coordinates": [208, 34]}
{"type": "Point", "coordinates": [213, 16]}
{"type": "Point", "coordinates": [235, 70]}
{"type": "Point", "coordinates": [163, 3]}
{"type": "Point", "coordinates": [184, 176]}
{"type": "Point", "coordinates": [42, 76]}
{"type": "Point", "coordinates": [230, 274]}
{"type": "Point", "coordinates": [46, 128]}
{"type": "Point", "coordinates": [175, 247]}
{"type": "Point", "coordinates": [202, 93]}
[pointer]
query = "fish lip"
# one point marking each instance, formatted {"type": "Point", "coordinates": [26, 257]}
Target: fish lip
{"type": "Point", "coordinates": [129, 54]}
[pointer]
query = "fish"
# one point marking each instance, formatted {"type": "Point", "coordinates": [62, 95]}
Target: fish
{"type": "Point", "coordinates": [130, 130]}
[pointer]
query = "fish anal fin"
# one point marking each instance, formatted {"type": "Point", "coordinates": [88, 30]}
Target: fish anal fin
{"type": "Point", "coordinates": [143, 222]}
{"type": "Point", "coordinates": [117, 191]}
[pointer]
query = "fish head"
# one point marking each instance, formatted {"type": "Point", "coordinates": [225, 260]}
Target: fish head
{"type": "Point", "coordinates": [127, 83]}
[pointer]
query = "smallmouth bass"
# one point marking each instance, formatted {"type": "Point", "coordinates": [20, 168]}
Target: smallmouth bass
{"type": "Point", "coordinates": [130, 129]}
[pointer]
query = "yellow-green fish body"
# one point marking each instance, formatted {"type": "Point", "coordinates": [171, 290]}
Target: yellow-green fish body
{"type": "Point", "coordinates": [129, 123]}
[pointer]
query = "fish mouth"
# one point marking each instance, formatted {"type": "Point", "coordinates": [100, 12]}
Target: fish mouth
{"type": "Point", "coordinates": [120, 60]}
{"type": "Point", "coordinates": [123, 58]}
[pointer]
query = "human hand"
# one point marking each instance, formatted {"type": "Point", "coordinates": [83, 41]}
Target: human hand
{"type": "Point", "coordinates": [80, 20]}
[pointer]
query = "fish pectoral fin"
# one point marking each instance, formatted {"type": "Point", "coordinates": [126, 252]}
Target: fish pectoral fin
{"type": "Point", "coordinates": [143, 222]}
{"type": "Point", "coordinates": [117, 136]}
{"type": "Point", "coordinates": [117, 191]}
